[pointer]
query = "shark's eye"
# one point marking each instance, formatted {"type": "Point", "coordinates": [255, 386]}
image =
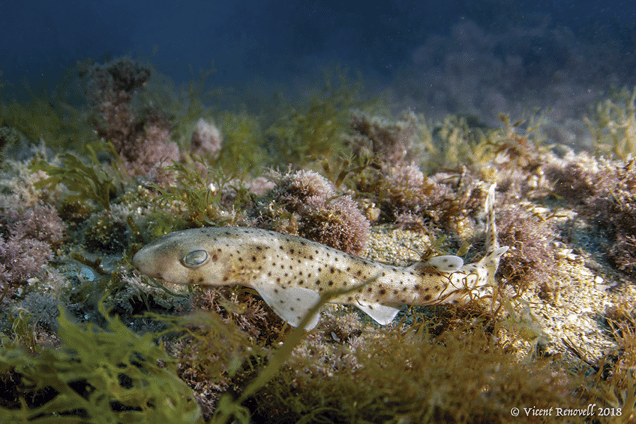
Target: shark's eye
{"type": "Point", "coordinates": [195, 258]}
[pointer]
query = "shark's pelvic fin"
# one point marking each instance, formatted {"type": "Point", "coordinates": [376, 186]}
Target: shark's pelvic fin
{"type": "Point", "coordinates": [382, 314]}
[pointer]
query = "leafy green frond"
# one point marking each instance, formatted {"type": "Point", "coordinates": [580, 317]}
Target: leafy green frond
{"type": "Point", "coordinates": [99, 376]}
{"type": "Point", "coordinates": [89, 182]}
{"type": "Point", "coordinates": [614, 126]}
{"type": "Point", "coordinates": [242, 142]}
{"type": "Point", "coordinates": [48, 118]}
{"type": "Point", "coordinates": [316, 129]}
{"type": "Point", "coordinates": [197, 195]}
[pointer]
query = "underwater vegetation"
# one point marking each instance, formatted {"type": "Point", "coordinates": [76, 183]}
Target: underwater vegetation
{"type": "Point", "coordinates": [31, 236]}
{"type": "Point", "coordinates": [94, 375]}
{"type": "Point", "coordinates": [83, 191]}
{"type": "Point", "coordinates": [531, 261]}
{"type": "Point", "coordinates": [440, 379]}
{"type": "Point", "coordinates": [318, 128]}
{"type": "Point", "coordinates": [140, 137]}
{"type": "Point", "coordinates": [603, 193]}
{"type": "Point", "coordinates": [47, 116]}
{"type": "Point", "coordinates": [614, 126]}
{"type": "Point", "coordinates": [305, 203]}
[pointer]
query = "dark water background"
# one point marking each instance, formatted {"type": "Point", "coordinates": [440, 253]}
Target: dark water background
{"type": "Point", "coordinates": [476, 57]}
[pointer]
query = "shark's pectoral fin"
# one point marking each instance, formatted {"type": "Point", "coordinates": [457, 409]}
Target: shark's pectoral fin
{"type": "Point", "coordinates": [292, 304]}
{"type": "Point", "coordinates": [382, 314]}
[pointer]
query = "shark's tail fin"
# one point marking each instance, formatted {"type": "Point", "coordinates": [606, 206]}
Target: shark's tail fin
{"type": "Point", "coordinates": [494, 252]}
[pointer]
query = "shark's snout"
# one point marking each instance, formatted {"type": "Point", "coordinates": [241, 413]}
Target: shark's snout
{"type": "Point", "coordinates": [164, 258]}
{"type": "Point", "coordinates": [142, 261]}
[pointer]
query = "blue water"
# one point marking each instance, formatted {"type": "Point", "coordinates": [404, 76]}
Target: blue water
{"type": "Point", "coordinates": [405, 46]}
{"type": "Point", "coordinates": [249, 39]}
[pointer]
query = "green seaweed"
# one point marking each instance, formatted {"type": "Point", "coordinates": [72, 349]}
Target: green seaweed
{"type": "Point", "coordinates": [401, 375]}
{"type": "Point", "coordinates": [242, 142]}
{"type": "Point", "coordinates": [109, 375]}
{"type": "Point", "coordinates": [229, 408]}
{"type": "Point", "coordinates": [198, 196]}
{"type": "Point", "coordinates": [8, 138]}
{"type": "Point", "coordinates": [461, 140]}
{"type": "Point", "coordinates": [614, 126]}
{"type": "Point", "coordinates": [49, 118]}
{"type": "Point", "coordinates": [89, 182]}
{"type": "Point", "coordinates": [337, 170]}
{"type": "Point", "coordinates": [317, 128]}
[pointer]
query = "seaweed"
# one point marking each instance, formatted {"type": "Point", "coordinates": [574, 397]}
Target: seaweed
{"type": "Point", "coordinates": [455, 141]}
{"type": "Point", "coordinates": [404, 195]}
{"type": "Point", "coordinates": [8, 138]}
{"type": "Point", "coordinates": [98, 375]}
{"type": "Point", "coordinates": [614, 376]}
{"type": "Point", "coordinates": [615, 210]}
{"type": "Point", "coordinates": [33, 234]}
{"type": "Point", "coordinates": [394, 143]}
{"type": "Point", "coordinates": [614, 125]}
{"type": "Point", "coordinates": [185, 104]}
{"type": "Point", "coordinates": [604, 193]}
{"type": "Point", "coordinates": [206, 139]}
{"type": "Point", "coordinates": [353, 165]}
{"type": "Point", "coordinates": [403, 375]}
{"type": "Point", "coordinates": [530, 261]}
{"type": "Point", "coordinates": [140, 137]}
{"type": "Point", "coordinates": [49, 118]}
{"type": "Point", "coordinates": [318, 128]}
{"type": "Point", "coordinates": [623, 253]}
{"type": "Point", "coordinates": [89, 182]}
{"type": "Point", "coordinates": [576, 179]}
{"type": "Point", "coordinates": [462, 140]}
{"type": "Point", "coordinates": [244, 140]}
{"type": "Point", "coordinates": [230, 407]}
{"type": "Point", "coordinates": [212, 197]}
{"type": "Point", "coordinates": [305, 203]}
{"type": "Point", "coordinates": [107, 230]}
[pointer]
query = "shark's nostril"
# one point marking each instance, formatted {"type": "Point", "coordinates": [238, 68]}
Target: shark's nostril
{"type": "Point", "coordinates": [136, 261]}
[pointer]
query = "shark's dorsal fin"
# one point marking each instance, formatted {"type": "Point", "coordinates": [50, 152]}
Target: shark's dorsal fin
{"type": "Point", "coordinates": [292, 304]}
{"type": "Point", "coordinates": [491, 227]}
{"type": "Point", "coordinates": [382, 314]}
{"type": "Point", "coordinates": [445, 263]}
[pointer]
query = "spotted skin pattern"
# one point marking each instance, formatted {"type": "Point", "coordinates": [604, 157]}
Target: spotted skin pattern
{"type": "Point", "coordinates": [291, 273]}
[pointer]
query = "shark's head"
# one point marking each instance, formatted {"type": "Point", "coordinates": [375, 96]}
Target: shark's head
{"type": "Point", "coordinates": [182, 257]}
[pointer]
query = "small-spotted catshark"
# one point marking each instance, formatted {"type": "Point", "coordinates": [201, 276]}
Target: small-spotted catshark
{"type": "Point", "coordinates": [290, 272]}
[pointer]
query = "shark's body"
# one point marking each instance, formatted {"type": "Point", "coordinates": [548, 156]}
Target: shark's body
{"type": "Point", "coordinates": [291, 273]}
